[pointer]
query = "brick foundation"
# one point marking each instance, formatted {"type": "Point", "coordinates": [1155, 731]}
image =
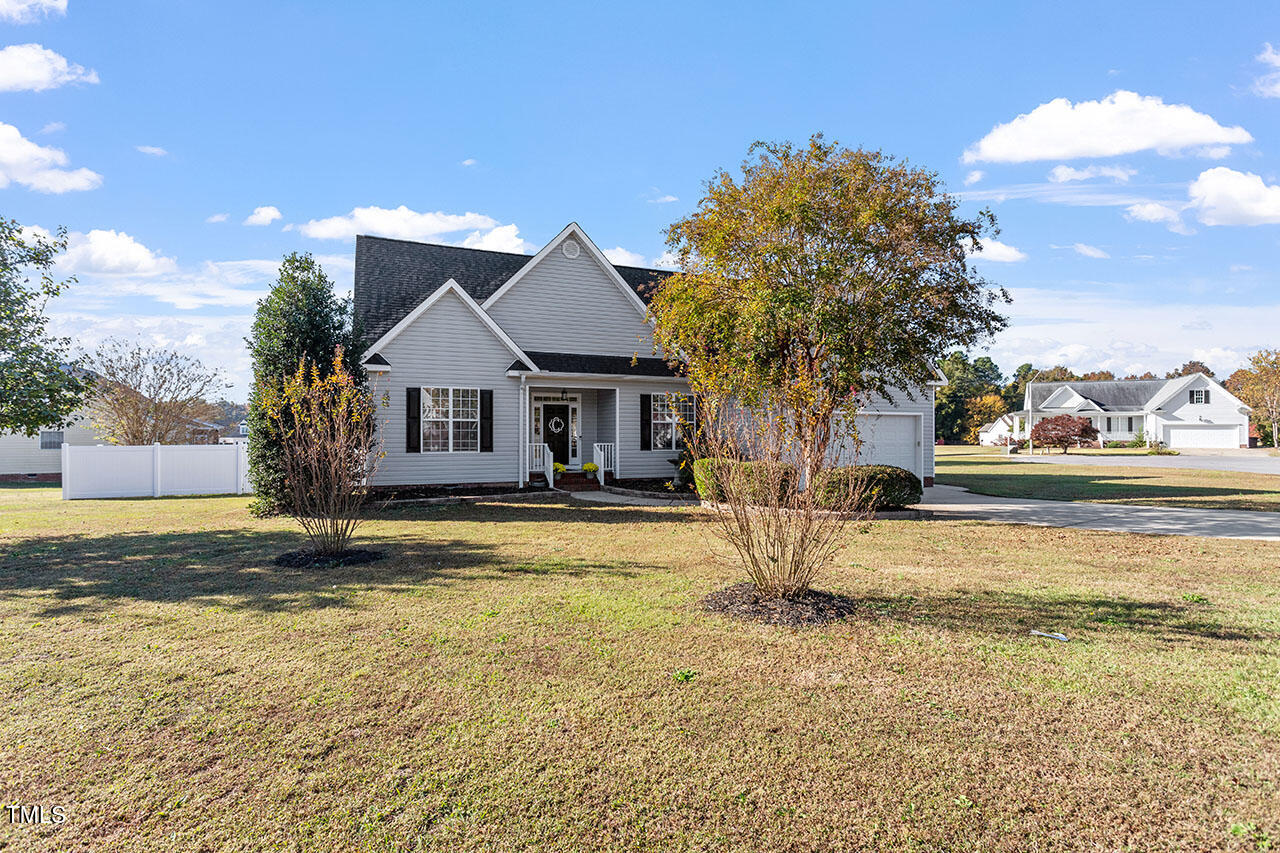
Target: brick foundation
{"type": "Point", "coordinates": [54, 478]}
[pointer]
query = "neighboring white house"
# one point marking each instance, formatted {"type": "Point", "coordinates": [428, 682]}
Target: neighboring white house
{"type": "Point", "coordinates": [1188, 412]}
{"type": "Point", "coordinates": [998, 431]}
{"type": "Point", "coordinates": [39, 457]}
{"type": "Point", "coordinates": [498, 364]}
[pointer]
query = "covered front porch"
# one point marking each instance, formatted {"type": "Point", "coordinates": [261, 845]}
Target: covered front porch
{"type": "Point", "coordinates": [569, 425]}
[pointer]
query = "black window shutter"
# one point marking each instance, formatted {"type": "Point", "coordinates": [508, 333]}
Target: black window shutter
{"type": "Point", "coordinates": [1206, 396]}
{"type": "Point", "coordinates": [646, 422]}
{"type": "Point", "coordinates": [1191, 396]}
{"type": "Point", "coordinates": [413, 420]}
{"type": "Point", "coordinates": [486, 420]}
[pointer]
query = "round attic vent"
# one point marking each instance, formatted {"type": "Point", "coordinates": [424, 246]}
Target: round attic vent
{"type": "Point", "coordinates": [570, 248]}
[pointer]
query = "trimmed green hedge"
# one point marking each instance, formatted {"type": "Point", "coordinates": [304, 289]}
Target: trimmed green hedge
{"type": "Point", "coordinates": [878, 487]}
{"type": "Point", "coordinates": [707, 474]}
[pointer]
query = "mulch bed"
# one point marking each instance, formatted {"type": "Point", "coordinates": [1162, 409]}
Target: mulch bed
{"type": "Point", "coordinates": [657, 485]}
{"type": "Point", "coordinates": [414, 492]}
{"type": "Point", "coordinates": [306, 559]}
{"type": "Point", "coordinates": [810, 610]}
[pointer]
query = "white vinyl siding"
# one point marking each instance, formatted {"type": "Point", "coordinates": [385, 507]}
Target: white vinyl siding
{"type": "Point", "coordinates": [571, 305]}
{"type": "Point", "coordinates": [25, 454]}
{"type": "Point", "coordinates": [447, 347]}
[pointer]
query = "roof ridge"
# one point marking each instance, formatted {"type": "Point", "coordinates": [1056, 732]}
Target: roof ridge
{"type": "Point", "coordinates": [443, 245]}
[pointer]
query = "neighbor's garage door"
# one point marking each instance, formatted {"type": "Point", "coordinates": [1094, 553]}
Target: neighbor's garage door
{"type": "Point", "coordinates": [1202, 436]}
{"type": "Point", "coordinates": [888, 440]}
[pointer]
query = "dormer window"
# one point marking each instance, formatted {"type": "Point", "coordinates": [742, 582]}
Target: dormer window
{"type": "Point", "coordinates": [1199, 396]}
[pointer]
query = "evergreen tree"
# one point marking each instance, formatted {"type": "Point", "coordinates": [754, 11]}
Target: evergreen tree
{"type": "Point", "coordinates": [299, 320]}
{"type": "Point", "coordinates": [966, 380]}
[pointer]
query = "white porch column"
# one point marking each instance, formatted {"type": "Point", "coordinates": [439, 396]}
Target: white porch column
{"type": "Point", "coordinates": [617, 433]}
{"type": "Point", "coordinates": [523, 436]}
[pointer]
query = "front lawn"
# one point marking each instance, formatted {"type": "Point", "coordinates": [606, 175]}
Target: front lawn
{"type": "Point", "coordinates": [539, 676]}
{"type": "Point", "coordinates": [989, 471]}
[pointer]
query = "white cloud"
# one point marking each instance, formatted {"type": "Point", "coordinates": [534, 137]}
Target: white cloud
{"type": "Point", "coordinates": [504, 238]}
{"type": "Point", "coordinates": [264, 215]}
{"type": "Point", "coordinates": [1071, 193]}
{"type": "Point", "coordinates": [626, 258]}
{"type": "Point", "coordinates": [1121, 123]}
{"type": "Point", "coordinates": [1223, 196]}
{"type": "Point", "coordinates": [37, 167]}
{"type": "Point", "coordinates": [1091, 331]}
{"type": "Point", "coordinates": [53, 127]}
{"type": "Point", "coordinates": [667, 261]}
{"type": "Point", "coordinates": [1240, 268]}
{"type": "Point", "coordinates": [152, 150]}
{"type": "Point", "coordinates": [1268, 85]}
{"type": "Point", "coordinates": [216, 341]}
{"type": "Point", "coordinates": [973, 177]}
{"type": "Point", "coordinates": [663, 199]}
{"type": "Point", "coordinates": [26, 11]}
{"type": "Point", "coordinates": [216, 217]}
{"type": "Point", "coordinates": [470, 161]}
{"type": "Point", "coordinates": [994, 250]}
{"type": "Point", "coordinates": [1089, 251]}
{"type": "Point", "coordinates": [399, 223]}
{"type": "Point", "coordinates": [1119, 174]}
{"type": "Point", "coordinates": [32, 68]}
{"type": "Point", "coordinates": [1154, 211]}
{"type": "Point", "coordinates": [111, 253]}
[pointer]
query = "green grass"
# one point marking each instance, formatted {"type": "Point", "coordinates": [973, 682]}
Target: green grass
{"type": "Point", "coordinates": [540, 677]}
{"type": "Point", "coordinates": [988, 471]}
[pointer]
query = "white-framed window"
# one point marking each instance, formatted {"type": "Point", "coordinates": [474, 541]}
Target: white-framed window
{"type": "Point", "coordinates": [1199, 396]}
{"type": "Point", "coordinates": [51, 439]}
{"type": "Point", "coordinates": [450, 420]}
{"type": "Point", "coordinates": [1130, 424]}
{"type": "Point", "coordinates": [669, 413]}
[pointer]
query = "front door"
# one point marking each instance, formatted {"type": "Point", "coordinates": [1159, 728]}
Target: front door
{"type": "Point", "coordinates": [555, 431]}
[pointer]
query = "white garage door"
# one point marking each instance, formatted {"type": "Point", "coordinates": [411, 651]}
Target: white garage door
{"type": "Point", "coordinates": [1203, 436]}
{"type": "Point", "coordinates": [887, 440]}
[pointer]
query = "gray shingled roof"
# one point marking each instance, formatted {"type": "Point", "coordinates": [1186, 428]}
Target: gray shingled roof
{"type": "Point", "coordinates": [613, 365]}
{"type": "Point", "coordinates": [394, 276]}
{"type": "Point", "coordinates": [1111, 395]}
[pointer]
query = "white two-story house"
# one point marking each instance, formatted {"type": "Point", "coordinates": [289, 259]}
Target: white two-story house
{"type": "Point", "coordinates": [1187, 412]}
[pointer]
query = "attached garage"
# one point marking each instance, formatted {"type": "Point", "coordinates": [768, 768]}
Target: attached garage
{"type": "Point", "coordinates": [888, 440]}
{"type": "Point", "coordinates": [1221, 436]}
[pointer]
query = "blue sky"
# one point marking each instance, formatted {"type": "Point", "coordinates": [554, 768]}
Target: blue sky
{"type": "Point", "coordinates": [1139, 192]}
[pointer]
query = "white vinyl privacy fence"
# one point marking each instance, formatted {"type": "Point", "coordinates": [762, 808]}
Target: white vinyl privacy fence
{"type": "Point", "coordinates": [154, 470]}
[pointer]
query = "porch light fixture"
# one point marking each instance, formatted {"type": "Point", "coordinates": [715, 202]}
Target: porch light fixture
{"type": "Point", "coordinates": [564, 394]}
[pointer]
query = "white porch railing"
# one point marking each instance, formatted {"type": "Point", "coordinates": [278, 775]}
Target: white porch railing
{"type": "Point", "coordinates": [606, 458]}
{"type": "Point", "coordinates": [540, 459]}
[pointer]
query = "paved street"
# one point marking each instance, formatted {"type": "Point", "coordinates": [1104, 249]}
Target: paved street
{"type": "Point", "coordinates": [954, 502]}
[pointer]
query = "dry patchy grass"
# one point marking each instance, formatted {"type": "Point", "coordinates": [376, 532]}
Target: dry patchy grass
{"type": "Point", "coordinates": [540, 676]}
{"type": "Point", "coordinates": [992, 473]}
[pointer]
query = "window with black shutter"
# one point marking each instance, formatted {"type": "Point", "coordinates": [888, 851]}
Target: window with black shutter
{"type": "Point", "coordinates": [646, 421]}
{"type": "Point", "coordinates": [413, 420]}
{"type": "Point", "coordinates": [486, 420]}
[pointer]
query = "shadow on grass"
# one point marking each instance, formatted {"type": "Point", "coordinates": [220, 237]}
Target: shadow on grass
{"type": "Point", "coordinates": [1015, 614]}
{"type": "Point", "coordinates": [548, 509]}
{"type": "Point", "coordinates": [233, 568]}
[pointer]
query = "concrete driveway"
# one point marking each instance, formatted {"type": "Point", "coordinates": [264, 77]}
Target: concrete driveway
{"type": "Point", "coordinates": [955, 502]}
{"type": "Point", "coordinates": [1245, 461]}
